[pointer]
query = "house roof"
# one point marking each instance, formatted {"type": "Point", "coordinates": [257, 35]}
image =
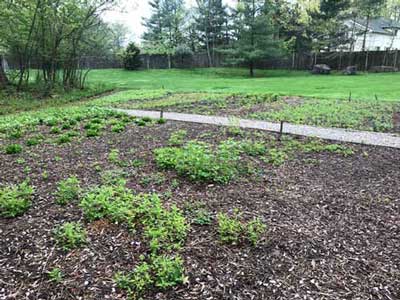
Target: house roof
{"type": "Point", "coordinates": [379, 25]}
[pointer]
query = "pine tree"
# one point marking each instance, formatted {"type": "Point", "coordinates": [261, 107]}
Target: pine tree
{"type": "Point", "coordinates": [131, 57]}
{"type": "Point", "coordinates": [211, 21]}
{"type": "Point", "coordinates": [254, 39]}
{"type": "Point", "coordinates": [164, 27]}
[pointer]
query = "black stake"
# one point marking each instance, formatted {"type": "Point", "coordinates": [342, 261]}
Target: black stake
{"type": "Point", "coordinates": [280, 131]}
{"type": "Point", "coordinates": [161, 114]}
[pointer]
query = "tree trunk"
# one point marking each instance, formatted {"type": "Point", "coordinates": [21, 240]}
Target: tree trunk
{"type": "Point", "coordinates": [251, 66]}
{"type": "Point", "coordinates": [3, 76]}
{"type": "Point", "coordinates": [365, 33]}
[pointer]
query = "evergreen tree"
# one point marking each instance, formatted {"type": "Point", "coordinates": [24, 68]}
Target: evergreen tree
{"type": "Point", "coordinates": [212, 18]}
{"type": "Point", "coordinates": [254, 39]}
{"type": "Point", "coordinates": [131, 57]}
{"type": "Point", "coordinates": [327, 28]}
{"type": "Point", "coordinates": [164, 27]}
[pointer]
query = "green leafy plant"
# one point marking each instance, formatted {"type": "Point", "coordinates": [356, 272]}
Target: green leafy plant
{"type": "Point", "coordinates": [229, 228]}
{"type": "Point", "coordinates": [55, 130]}
{"type": "Point", "coordinates": [169, 271]}
{"type": "Point", "coordinates": [70, 235]}
{"type": "Point", "coordinates": [63, 139]}
{"type": "Point", "coordinates": [177, 138]}
{"type": "Point", "coordinates": [55, 275]}
{"type": "Point", "coordinates": [33, 141]}
{"type": "Point", "coordinates": [200, 162]}
{"type": "Point", "coordinates": [15, 200]}
{"type": "Point", "coordinates": [135, 282]}
{"type": "Point", "coordinates": [68, 190]}
{"type": "Point", "coordinates": [13, 149]}
{"type": "Point", "coordinates": [255, 229]}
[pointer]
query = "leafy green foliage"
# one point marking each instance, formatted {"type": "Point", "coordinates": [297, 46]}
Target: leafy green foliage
{"type": "Point", "coordinates": [363, 115]}
{"type": "Point", "coordinates": [255, 229]}
{"type": "Point", "coordinates": [131, 58]}
{"type": "Point", "coordinates": [137, 281]}
{"type": "Point", "coordinates": [200, 162]}
{"type": "Point", "coordinates": [63, 139]}
{"type": "Point", "coordinates": [55, 275]}
{"type": "Point", "coordinates": [15, 200]}
{"type": "Point", "coordinates": [169, 271]}
{"type": "Point", "coordinates": [70, 235]}
{"type": "Point", "coordinates": [231, 229]}
{"type": "Point", "coordinates": [177, 138]}
{"type": "Point", "coordinates": [68, 190]}
{"type": "Point", "coordinates": [13, 149]}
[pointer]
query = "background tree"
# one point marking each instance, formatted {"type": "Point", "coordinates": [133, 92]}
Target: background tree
{"type": "Point", "coordinates": [211, 23]}
{"type": "Point", "coordinates": [254, 39]}
{"type": "Point", "coordinates": [368, 9]}
{"type": "Point", "coordinates": [131, 57]}
{"type": "Point", "coordinates": [164, 27]}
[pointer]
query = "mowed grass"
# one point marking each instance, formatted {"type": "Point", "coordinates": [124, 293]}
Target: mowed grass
{"type": "Point", "coordinates": [293, 83]}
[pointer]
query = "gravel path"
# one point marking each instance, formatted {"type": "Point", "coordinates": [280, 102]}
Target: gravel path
{"type": "Point", "coordinates": [335, 134]}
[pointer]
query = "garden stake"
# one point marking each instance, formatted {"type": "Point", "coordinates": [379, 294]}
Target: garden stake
{"type": "Point", "coordinates": [161, 114]}
{"type": "Point", "coordinates": [280, 131]}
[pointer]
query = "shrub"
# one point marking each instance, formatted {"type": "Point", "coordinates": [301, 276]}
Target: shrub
{"type": "Point", "coordinates": [199, 162]}
{"type": "Point", "coordinates": [169, 271]}
{"type": "Point", "coordinates": [13, 149]}
{"type": "Point", "coordinates": [68, 190]}
{"type": "Point", "coordinates": [166, 229]}
{"type": "Point", "coordinates": [70, 235]}
{"type": "Point", "coordinates": [15, 200]}
{"type": "Point", "coordinates": [229, 228]}
{"type": "Point", "coordinates": [113, 202]}
{"type": "Point", "coordinates": [255, 229]}
{"type": "Point", "coordinates": [131, 58]}
{"type": "Point", "coordinates": [161, 121]}
{"type": "Point", "coordinates": [137, 281]}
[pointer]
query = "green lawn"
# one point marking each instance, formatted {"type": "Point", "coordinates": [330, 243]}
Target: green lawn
{"type": "Point", "coordinates": [299, 83]}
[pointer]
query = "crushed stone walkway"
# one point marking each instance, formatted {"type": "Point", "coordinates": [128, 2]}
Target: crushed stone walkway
{"type": "Point", "coordinates": [334, 134]}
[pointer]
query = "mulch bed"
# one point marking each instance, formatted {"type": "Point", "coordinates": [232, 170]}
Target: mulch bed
{"type": "Point", "coordinates": [333, 224]}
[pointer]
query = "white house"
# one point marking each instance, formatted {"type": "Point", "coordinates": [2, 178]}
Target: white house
{"type": "Point", "coordinates": [382, 34]}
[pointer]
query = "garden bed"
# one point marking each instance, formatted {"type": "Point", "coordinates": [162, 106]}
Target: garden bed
{"type": "Point", "coordinates": [379, 116]}
{"type": "Point", "coordinates": [331, 213]}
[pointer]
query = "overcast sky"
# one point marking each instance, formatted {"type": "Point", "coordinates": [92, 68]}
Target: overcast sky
{"type": "Point", "coordinates": [131, 13]}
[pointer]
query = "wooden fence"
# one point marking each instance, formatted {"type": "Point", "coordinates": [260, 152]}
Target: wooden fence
{"type": "Point", "coordinates": [303, 61]}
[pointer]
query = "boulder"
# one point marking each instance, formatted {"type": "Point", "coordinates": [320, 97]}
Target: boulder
{"type": "Point", "coordinates": [350, 70]}
{"type": "Point", "coordinates": [383, 69]}
{"type": "Point", "coordinates": [321, 69]}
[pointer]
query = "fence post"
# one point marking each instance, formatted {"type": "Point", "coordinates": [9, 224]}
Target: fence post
{"type": "Point", "coordinates": [366, 61]}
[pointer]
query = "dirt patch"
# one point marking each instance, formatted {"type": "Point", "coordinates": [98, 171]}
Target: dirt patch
{"type": "Point", "coordinates": [333, 225]}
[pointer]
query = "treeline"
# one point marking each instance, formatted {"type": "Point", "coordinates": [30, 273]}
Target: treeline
{"type": "Point", "coordinates": [254, 30]}
{"type": "Point", "coordinates": [54, 34]}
